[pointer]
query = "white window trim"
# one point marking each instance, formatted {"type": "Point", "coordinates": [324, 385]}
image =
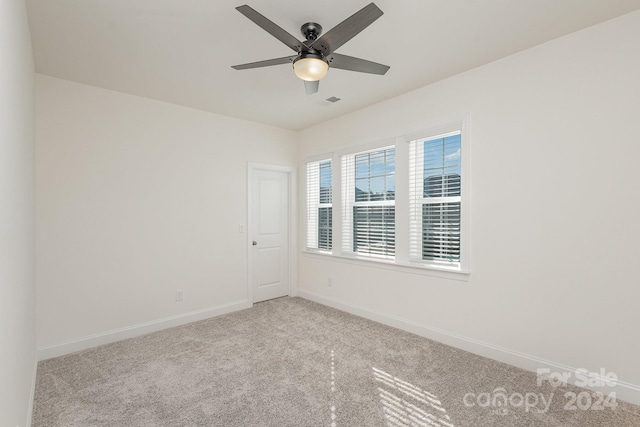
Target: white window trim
{"type": "Point", "coordinates": [347, 193]}
{"type": "Point", "coordinates": [458, 125]}
{"type": "Point", "coordinates": [416, 202]}
{"type": "Point", "coordinates": [402, 262]}
{"type": "Point", "coordinates": [421, 270]}
{"type": "Point", "coordinates": [307, 229]}
{"type": "Point", "coordinates": [322, 205]}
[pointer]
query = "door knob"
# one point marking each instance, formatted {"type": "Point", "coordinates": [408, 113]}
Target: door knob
{"type": "Point", "coordinates": [255, 243]}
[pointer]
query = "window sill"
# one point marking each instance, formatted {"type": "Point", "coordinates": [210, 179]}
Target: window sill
{"type": "Point", "coordinates": [425, 270]}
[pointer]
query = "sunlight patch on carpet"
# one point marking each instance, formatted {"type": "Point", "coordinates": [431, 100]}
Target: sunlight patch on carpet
{"type": "Point", "coordinates": [406, 405]}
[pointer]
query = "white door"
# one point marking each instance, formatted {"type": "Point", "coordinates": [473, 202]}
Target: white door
{"type": "Point", "coordinates": [270, 234]}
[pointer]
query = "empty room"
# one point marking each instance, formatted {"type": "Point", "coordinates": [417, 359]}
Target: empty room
{"type": "Point", "coordinates": [296, 213]}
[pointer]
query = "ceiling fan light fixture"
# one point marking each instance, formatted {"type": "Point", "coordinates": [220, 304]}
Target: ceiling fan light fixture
{"type": "Point", "coordinates": [311, 68]}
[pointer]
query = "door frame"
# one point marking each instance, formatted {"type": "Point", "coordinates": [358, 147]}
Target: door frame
{"type": "Point", "coordinates": [291, 230]}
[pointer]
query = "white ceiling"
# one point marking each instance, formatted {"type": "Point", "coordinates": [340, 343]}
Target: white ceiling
{"type": "Point", "coordinates": [181, 51]}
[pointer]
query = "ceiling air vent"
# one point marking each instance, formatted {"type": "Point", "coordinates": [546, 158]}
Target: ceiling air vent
{"type": "Point", "coordinates": [327, 102]}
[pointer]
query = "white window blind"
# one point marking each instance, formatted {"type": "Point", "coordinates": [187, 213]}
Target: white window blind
{"type": "Point", "coordinates": [435, 199]}
{"type": "Point", "coordinates": [368, 202]}
{"type": "Point", "coordinates": [319, 205]}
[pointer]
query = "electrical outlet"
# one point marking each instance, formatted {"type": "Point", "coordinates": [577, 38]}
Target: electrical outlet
{"type": "Point", "coordinates": [179, 295]}
{"type": "Point", "coordinates": [329, 282]}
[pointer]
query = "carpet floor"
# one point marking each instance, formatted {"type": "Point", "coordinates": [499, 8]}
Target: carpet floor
{"type": "Point", "coordinates": [292, 362]}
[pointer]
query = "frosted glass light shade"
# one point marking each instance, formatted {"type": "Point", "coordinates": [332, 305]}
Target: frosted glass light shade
{"type": "Point", "coordinates": [310, 69]}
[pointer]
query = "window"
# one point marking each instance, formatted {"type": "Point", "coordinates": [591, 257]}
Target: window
{"type": "Point", "coordinates": [369, 187]}
{"type": "Point", "coordinates": [319, 205]}
{"type": "Point", "coordinates": [402, 203]}
{"type": "Point", "coordinates": [435, 199]}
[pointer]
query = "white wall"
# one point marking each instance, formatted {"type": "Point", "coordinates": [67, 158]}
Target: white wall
{"type": "Point", "coordinates": [555, 205]}
{"type": "Point", "coordinates": [137, 198]}
{"type": "Point", "coordinates": [17, 256]}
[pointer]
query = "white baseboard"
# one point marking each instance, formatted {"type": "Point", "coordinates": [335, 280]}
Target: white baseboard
{"type": "Point", "coordinates": [32, 393]}
{"type": "Point", "coordinates": [137, 330]}
{"type": "Point", "coordinates": [623, 390]}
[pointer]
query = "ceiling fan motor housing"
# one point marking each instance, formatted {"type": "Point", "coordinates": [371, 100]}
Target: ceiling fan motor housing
{"type": "Point", "coordinates": [311, 31]}
{"type": "Point", "coordinates": [310, 70]}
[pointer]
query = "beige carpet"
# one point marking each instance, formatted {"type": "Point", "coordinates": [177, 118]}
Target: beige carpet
{"type": "Point", "coordinates": [291, 362]}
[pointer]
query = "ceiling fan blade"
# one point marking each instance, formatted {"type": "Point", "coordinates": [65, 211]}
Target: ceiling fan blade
{"type": "Point", "coordinates": [351, 63]}
{"type": "Point", "coordinates": [265, 63]}
{"type": "Point", "coordinates": [311, 87]}
{"type": "Point", "coordinates": [347, 29]}
{"type": "Point", "coordinates": [271, 28]}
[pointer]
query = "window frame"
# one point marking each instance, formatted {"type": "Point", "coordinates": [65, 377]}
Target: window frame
{"type": "Point", "coordinates": [417, 200]}
{"type": "Point", "coordinates": [324, 205]}
{"type": "Point", "coordinates": [402, 261]}
{"type": "Point", "coordinates": [349, 202]}
{"type": "Point", "coordinates": [312, 218]}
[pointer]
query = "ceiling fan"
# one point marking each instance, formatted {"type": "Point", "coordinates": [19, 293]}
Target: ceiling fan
{"type": "Point", "coordinates": [317, 53]}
